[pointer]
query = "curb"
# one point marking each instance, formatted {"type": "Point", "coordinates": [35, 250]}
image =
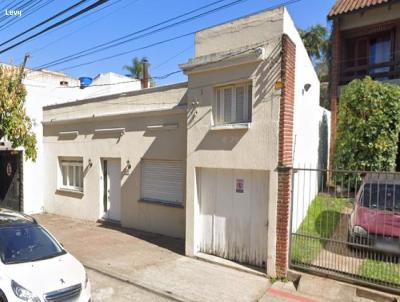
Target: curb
{"type": "Point", "coordinates": [161, 293]}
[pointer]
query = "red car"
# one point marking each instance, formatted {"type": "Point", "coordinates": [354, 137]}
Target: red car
{"type": "Point", "coordinates": [375, 220]}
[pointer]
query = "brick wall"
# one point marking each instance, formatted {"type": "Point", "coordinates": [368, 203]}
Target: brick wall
{"type": "Point", "coordinates": [285, 154]}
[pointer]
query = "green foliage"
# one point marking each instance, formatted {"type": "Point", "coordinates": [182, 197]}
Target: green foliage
{"type": "Point", "coordinates": [368, 126]}
{"type": "Point", "coordinates": [323, 216]}
{"type": "Point", "coordinates": [380, 271]}
{"type": "Point", "coordinates": [135, 69]}
{"type": "Point", "coordinates": [316, 42]}
{"type": "Point", "coordinates": [15, 125]}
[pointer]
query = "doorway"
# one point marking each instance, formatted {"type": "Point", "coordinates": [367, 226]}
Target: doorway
{"type": "Point", "coordinates": [111, 188]}
{"type": "Point", "coordinates": [11, 180]}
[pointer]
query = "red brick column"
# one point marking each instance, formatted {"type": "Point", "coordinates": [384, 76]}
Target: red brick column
{"type": "Point", "coordinates": [285, 160]}
{"type": "Point", "coordinates": [333, 93]}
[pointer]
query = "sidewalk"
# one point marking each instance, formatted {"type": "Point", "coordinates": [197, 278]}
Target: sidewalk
{"type": "Point", "coordinates": [152, 262]}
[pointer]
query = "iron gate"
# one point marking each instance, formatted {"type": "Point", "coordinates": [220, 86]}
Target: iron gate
{"type": "Point", "coordinates": [11, 180]}
{"type": "Point", "coordinates": [346, 224]}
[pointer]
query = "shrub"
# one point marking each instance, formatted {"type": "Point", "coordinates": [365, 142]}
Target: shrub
{"type": "Point", "coordinates": [368, 125]}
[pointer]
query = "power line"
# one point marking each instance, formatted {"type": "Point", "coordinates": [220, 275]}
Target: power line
{"type": "Point", "coordinates": [110, 44]}
{"type": "Point", "coordinates": [68, 58]}
{"type": "Point", "coordinates": [88, 24]}
{"type": "Point", "coordinates": [45, 21]}
{"type": "Point", "coordinates": [25, 15]}
{"type": "Point", "coordinates": [22, 5]}
{"type": "Point", "coordinates": [129, 51]}
{"type": "Point", "coordinates": [88, 8]}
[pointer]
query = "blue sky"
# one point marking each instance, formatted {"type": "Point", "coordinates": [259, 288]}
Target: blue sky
{"type": "Point", "coordinates": [127, 16]}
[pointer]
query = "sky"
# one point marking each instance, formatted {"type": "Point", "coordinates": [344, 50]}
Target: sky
{"type": "Point", "coordinates": [123, 17]}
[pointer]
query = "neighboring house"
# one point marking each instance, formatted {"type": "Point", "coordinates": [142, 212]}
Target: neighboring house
{"type": "Point", "coordinates": [207, 160]}
{"type": "Point", "coordinates": [21, 186]}
{"type": "Point", "coordinates": [365, 41]}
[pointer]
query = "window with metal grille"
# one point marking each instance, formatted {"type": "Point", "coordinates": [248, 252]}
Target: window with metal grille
{"type": "Point", "coordinates": [163, 181]}
{"type": "Point", "coordinates": [232, 104]}
{"type": "Point", "coordinates": [71, 174]}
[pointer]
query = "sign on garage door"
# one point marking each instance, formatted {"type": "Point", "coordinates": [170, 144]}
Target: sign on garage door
{"type": "Point", "coordinates": [233, 208]}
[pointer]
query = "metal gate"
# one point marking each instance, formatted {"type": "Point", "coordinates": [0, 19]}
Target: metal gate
{"type": "Point", "coordinates": [346, 224]}
{"type": "Point", "coordinates": [11, 180]}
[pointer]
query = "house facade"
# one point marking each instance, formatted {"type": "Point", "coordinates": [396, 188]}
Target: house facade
{"type": "Point", "coordinates": [365, 42]}
{"type": "Point", "coordinates": [20, 189]}
{"type": "Point", "coordinates": [207, 160]}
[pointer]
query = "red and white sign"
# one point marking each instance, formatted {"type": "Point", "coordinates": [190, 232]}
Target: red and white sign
{"type": "Point", "coordinates": [239, 185]}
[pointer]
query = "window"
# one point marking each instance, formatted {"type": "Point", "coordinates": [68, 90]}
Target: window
{"type": "Point", "coordinates": [232, 104]}
{"type": "Point", "coordinates": [163, 181]}
{"type": "Point", "coordinates": [368, 55]}
{"type": "Point", "coordinates": [71, 174]}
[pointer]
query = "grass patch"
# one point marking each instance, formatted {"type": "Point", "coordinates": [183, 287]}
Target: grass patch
{"type": "Point", "coordinates": [380, 271]}
{"type": "Point", "coordinates": [321, 220]}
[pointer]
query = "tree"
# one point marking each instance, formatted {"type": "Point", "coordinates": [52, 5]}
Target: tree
{"type": "Point", "coordinates": [135, 69]}
{"type": "Point", "coordinates": [368, 126]}
{"type": "Point", "coordinates": [15, 124]}
{"type": "Point", "coordinates": [316, 42]}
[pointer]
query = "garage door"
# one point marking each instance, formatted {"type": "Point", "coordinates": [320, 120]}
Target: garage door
{"type": "Point", "coordinates": [233, 208]}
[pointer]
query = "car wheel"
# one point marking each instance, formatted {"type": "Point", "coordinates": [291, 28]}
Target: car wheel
{"type": "Point", "coordinates": [3, 297]}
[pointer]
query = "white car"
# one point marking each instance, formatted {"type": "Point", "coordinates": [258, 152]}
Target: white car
{"type": "Point", "coordinates": [34, 266]}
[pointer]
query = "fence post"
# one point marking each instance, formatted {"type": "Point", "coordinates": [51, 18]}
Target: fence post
{"type": "Point", "coordinates": [283, 220]}
{"type": "Point", "coordinates": [285, 156]}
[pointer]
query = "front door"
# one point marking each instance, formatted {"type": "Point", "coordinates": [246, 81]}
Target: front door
{"type": "Point", "coordinates": [10, 180]}
{"type": "Point", "coordinates": [112, 189]}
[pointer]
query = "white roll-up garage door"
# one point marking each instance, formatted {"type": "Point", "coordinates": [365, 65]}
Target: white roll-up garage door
{"type": "Point", "coordinates": [163, 181]}
{"type": "Point", "coordinates": [233, 209]}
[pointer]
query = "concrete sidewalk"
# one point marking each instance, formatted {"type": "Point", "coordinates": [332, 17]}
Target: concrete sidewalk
{"type": "Point", "coordinates": [152, 262]}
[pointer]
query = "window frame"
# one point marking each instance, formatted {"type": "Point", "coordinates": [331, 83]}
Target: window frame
{"type": "Point", "coordinates": [69, 180]}
{"type": "Point", "coordinates": [218, 104]}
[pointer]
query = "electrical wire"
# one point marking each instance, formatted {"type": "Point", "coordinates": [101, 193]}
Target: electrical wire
{"type": "Point", "coordinates": [101, 18]}
{"type": "Point", "coordinates": [25, 15]}
{"type": "Point", "coordinates": [77, 4]}
{"type": "Point", "coordinates": [105, 47]}
{"type": "Point", "coordinates": [115, 42]}
{"type": "Point", "coordinates": [86, 9]}
{"type": "Point", "coordinates": [58, 62]}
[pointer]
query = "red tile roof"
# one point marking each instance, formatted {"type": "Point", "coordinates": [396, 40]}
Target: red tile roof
{"type": "Point", "coordinates": [347, 6]}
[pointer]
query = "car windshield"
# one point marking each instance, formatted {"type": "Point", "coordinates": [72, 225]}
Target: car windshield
{"type": "Point", "coordinates": [27, 243]}
{"type": "Point", "coordinates": [381, 196]}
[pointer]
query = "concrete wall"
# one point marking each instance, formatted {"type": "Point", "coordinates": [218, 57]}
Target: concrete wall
{"type": "Point", "coordinates": [370, 16]}
{"type": "Point", "coordinates": [250, 30]}
{"type": "Point", "coordinates": [134, 113]}
{"type": "Point", "coordinates": [255, 148]}
{"type": "Point", "coordinates": [308, 128]}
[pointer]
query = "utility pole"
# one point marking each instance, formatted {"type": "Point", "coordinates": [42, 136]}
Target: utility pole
{"type": "Point", "coordinates": [26, 57]}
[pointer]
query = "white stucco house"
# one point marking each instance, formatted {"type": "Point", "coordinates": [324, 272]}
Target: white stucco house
{"type": "Point", "coordinates": [22, 189]}
{"type": "Point", "coordinates": [206, 160]}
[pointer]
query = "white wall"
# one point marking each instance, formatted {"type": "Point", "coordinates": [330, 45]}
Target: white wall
{"type": "Point", "coordinates": [43, 88]}
{"type": "Point", "coordinates": [308, 117]}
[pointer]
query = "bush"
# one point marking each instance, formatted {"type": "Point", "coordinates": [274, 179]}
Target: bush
{"type": "Point", "coordinates": [368, 125]}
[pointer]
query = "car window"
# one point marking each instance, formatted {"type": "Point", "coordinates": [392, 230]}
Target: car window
{"type": "Point", "coordinates": [380, 196]}
{"type": "Point", "coordinates": [27, 243]}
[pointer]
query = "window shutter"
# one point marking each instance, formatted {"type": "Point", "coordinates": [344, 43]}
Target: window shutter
{"type": "Point", "coordinates": [239, 104]}
{"type": "Point", "coordinates": [162, 181]}
{"type": "Point", "coordinates": [227, 105]}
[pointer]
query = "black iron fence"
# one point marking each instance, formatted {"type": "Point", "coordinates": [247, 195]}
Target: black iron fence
{"type": "Point", "coordinates": [346, 224]}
